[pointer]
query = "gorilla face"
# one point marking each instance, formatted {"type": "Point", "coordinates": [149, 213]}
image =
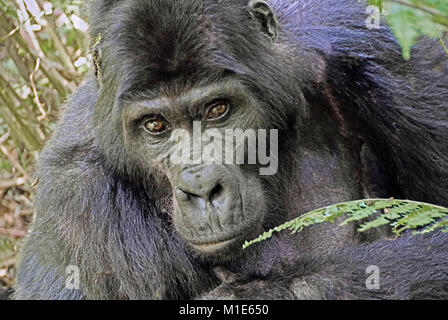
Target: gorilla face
{"type": "Point", "coordinates": [218, 197]}
{"type": "Point", "coordinates": [190, 115]}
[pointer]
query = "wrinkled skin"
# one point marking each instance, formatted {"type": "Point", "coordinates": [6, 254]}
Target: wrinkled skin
{"type": "Point", "coordinates": [354, 120]}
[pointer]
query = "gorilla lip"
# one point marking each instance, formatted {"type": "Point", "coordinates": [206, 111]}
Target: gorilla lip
{"type": "Point", "coordinates": [213, 246]}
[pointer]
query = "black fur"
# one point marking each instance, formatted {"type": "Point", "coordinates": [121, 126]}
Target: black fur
{"type": "Point", "coordinates": [326, 82]}
{"type": "Point", "coordinates": [5, 294]}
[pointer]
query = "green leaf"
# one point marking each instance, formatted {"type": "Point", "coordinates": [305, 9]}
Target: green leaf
{"type": "Point", "coordinates": [411, 19]}
{"type": "Point", "coordinates": [400, 214]}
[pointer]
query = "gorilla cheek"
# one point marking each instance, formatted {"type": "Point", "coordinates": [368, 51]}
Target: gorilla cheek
{"type": "Point", "coordinates": [216, 208]}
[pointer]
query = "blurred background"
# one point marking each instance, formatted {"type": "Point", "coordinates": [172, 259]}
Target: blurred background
{"type": "Point", "coordinates": [42, 60]}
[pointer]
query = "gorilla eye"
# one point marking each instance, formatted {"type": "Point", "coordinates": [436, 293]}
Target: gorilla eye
{"type": "Point", "coordinates": [218, 110]}
{"type": "Point", "coordinates": [156, 125]}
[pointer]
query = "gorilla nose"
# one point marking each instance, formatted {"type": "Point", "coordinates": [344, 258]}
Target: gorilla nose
{"type": "Point", "coordinates": [212, 197]}
{"type": "Point", "coordinates": [207, 195]}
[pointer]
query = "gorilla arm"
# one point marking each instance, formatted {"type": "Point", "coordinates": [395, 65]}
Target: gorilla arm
{"type": "Point", "coordinates": [411, 267]}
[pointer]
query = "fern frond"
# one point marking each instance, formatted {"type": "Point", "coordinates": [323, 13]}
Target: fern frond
{"type": "Point", "coordinates": [401, 215]}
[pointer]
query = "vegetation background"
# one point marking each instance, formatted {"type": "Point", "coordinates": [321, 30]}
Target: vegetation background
{"type": "Point", "coordinates": [43, 59]}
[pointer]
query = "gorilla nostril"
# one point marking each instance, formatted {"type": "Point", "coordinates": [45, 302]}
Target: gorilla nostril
{"type": "Point", "coordinates": [181, 195]}
{"type": "Point", "coordinates": [215, 193]}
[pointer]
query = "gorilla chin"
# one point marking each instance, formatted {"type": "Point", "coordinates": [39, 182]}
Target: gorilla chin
{"type": "Point", "coordinates": [216, 249]}
{"type": "Point", "coordinates": [225, 251]}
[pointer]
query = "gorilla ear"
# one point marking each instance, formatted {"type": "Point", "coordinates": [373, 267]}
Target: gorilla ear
{"type": "Point", "coordinates": [263, 12]}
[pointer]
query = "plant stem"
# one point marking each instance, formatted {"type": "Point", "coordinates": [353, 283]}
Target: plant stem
{"type": "Point", "coordinates": [443, 45]}
{"type": "Point", "coordinates": [443, 20]}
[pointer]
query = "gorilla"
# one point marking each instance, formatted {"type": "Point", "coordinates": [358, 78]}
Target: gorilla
{"type": "Point", "coordinates": [116, 218]}
{"type": "Point", "coordinates": [4, 294]}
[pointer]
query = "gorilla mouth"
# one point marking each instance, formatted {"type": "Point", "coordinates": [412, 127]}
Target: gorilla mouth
{"type": "Point", "coordinates": [230, 241]}
{"type": "Point", "coordinates": [214, 247]}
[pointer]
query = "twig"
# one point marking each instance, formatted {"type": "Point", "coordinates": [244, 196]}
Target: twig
{"type": "Point", "coordinates": [8, 85]}
{"type": "Point", "coordinates": [4, 137]}
{"type": "Point", "coordinates": [18, 129]}
{"type": "Point", "coordinates": [431, 11]}
{"type": "Point", "coordinates": [14, 233]}
{"type": "Point", "coordinates": [64, 56]}
{"type": "Point", "coordinates": [6, 184]}
{"type": "Point", "coordinates": [443, 45]}
{"type": "Point", "coordinates": [36, 94]}
{"type": "Point", "coordinates": [8, 263]}
{"type": "Point", "coordinates": [13, 31]}
{"type": "Point", "coordinates": [15, 163]}
{"type": "Point", "coordinates": [53, 75]}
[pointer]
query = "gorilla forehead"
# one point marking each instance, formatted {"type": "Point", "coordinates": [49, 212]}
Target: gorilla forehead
{"type": "Point", "coordinates": [163, 40]}
{"type": "Point", "coordinates": [169, 39]}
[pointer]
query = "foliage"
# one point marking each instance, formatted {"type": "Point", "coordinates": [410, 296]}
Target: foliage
{"type": "Point", "coordinates": [42, 61]}
{"type": "Point", "coordinates": [7, 256]}
{"type": "Point", "coordinates": [410, 19]}
{"type": "Point", "coordinates": [401, 215]}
